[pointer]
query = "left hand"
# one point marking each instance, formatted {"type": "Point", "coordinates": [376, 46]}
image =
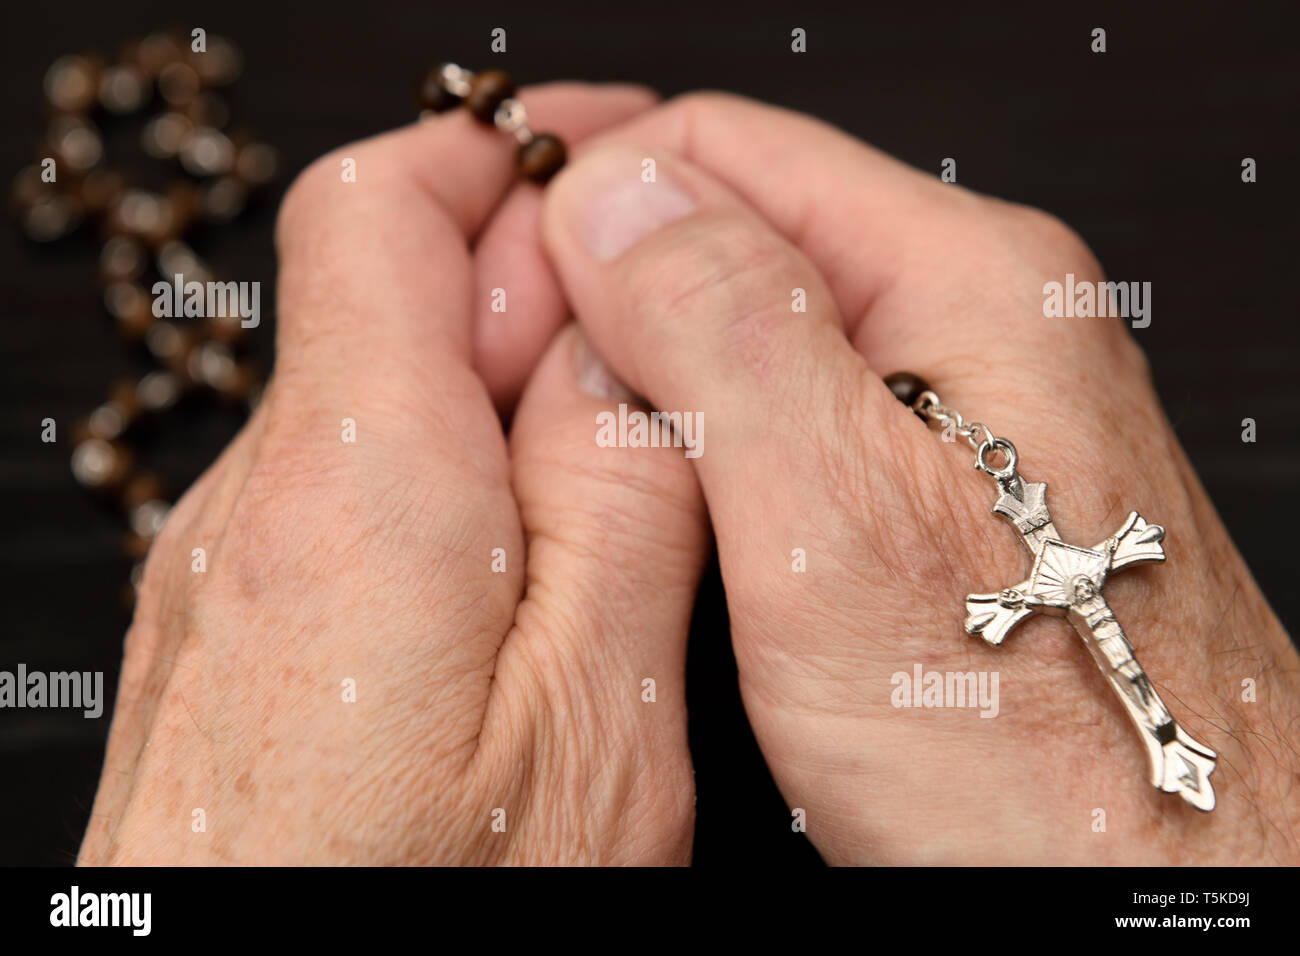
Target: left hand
{"type": "Point", "coordinates": [498, 717]}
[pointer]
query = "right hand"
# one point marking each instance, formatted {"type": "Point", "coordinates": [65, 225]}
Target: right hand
{"type": "Point", "coordinates": [684, 285]}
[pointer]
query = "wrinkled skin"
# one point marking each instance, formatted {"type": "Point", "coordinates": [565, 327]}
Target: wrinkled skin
{"type": "Point", "coordinates": [523, 690]}
{"type": "Point", "coordinates": [372, 561]}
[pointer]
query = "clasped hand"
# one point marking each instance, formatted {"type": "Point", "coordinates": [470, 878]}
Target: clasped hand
{"type": "Point", "coordinates": [432, 644]}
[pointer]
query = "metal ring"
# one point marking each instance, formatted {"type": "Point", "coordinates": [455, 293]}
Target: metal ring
{"type": "Point", "coordinates": [1008, 449]}
{"type": "Point", "coordinates": [988, 439]}
{"type": "Point", "coordinates": [511, 117]}
{"type": "Point", "coordinates": [456, 79]}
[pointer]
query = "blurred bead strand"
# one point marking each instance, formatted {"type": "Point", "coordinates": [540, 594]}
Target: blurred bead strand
{"type": "Point", "coordinates": [143, 238]}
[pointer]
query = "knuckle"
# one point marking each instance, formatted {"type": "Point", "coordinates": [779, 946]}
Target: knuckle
{"type": "Point", "coordinates": [1036, 229]}
{"type": "Point", "coordinates": [719, 274]}
{"type": "Point", "coordinates": [304, 194]}
{"type": "Point", "coordinates": [314, 190]}
{"type": "Point", "coordinates": [707, 103]}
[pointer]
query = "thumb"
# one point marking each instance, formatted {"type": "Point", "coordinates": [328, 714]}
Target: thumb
{"type": "Point", "coordinates": [617, 539]}
{"type": "Point", "coordinates": [702, 307]}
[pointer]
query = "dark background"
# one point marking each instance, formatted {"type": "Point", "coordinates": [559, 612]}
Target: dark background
{"type": "Point", "coordinates": [1139, 149]}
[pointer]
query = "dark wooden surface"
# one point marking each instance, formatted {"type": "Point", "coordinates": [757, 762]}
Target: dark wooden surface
{"type": "Point", "coordinates": [1139, 149]}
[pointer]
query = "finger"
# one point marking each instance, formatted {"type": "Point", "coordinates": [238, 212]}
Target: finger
{"type": "Point", "coordinates": [519, 303]}
{"type": "Point", "coordinates": [928, 276]}
{"type": "Point", "coordinates": [376, 290]}
{"type": "Point", "coordinates": [695, 301]}
{"type": "Point", "coordinates": [878, 230]}
{"type": "Point", "coordinates": [617, 539]}
{"type": "Point", "coordinates": [856, 212]}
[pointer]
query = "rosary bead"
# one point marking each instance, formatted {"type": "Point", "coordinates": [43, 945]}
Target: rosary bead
{"type": "Point", "coordinates": [207, 151]}
{"type": "Point", "coordinates": [52, 218]}
{"type": "Point", "coordinates": [131, 306]}
{"type": "Point", "coordinates": [121, 260]}
{"type": "Point", "coordinates": [147, 518]}
{"type": "Point", "coordinates": [489, 89]}
{"type": "Point", "coordinates": [207, 109]}
{"type": "Point", "coordinates": [123, 89]}
{"type": "Point", "coordinates": [213, 364]}
{"type": "Point", "coordinates": [179, 362]}
{"type": "Point", "coordinates": [157, 51]}
{"type": "Point", "coordinates": [541, 158]}
{"type": "Point", "coordinates": [163, 135]}
{"type": "Point", "coordinates": [177, 258]}
{"type": "Point", "coordinates": [145, 215]}
{"type": "Point", "coordinates": [101, 189]}
{"type": "Point", "coordinates": [242, 384]}
{"type": "Point", "coordinates": [222, 199]}
{"type": "Point", "coordinates": [164, 340]}
{"type": "Point", "coordinates": [115, 416]}
{"type": "Point", "coordinates": [29, 189]}
{"type": "Point", "coordinates": [136, 548]}
{"type": "Point", "coordinates": [141, 488]}
{"type": "Point", "coordinates": [178, 83]}
{"type": "Point", "coordinates": [220, 64]}
{"type": "Point", "coordinates": [159, 390]}
{"type": "Point", "coordinates": [255, 163]}
{"type": "Point", "coordinates": [99, 464]}
{"type": "Point", "coordinates": [75, 143]}
{"type": "Point", "coordinates": [907, 387]}
{"type": "Point", "coordinates": [72, 83]}
{"type": "Point", "coordinates": [431, 94]}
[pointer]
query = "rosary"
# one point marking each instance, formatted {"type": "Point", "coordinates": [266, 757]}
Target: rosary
{"type": "Point", "coordinates": [1067, 580]}
{"type": "Point", "coordinates": [143, 231]}
{"type": "Point", "coordinates": [143, 234]}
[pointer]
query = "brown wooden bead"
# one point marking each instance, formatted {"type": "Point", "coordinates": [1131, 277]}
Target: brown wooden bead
{"type": "Point", "coordinates": [222, 199]}
{"type": "Point", "coordinates": [219, 64]}
{"type": "Point", "coordinates": [122, 260]}
{"type": "Point", "coordinates": [907, 387]}
{"type": "Point", "coordinates": [53, 218]}
{"type": "Point", "coordinates": [541, 157]}
{"type": "Point", "coordinates": [487, 92]}
{"type": "Point", "coordinates": [431, 94]}
{"type": "Point", "coordinates": [157, 51]}
{"type": "Point", "coordinates": [183, 197]}
{"type": "Point", "coordinates": [75, 142]}
{"type": "Point", "coordinates": [72, 82]}
{"type": "Point", "coordinates": [100, 465]}
{"type": "Point", "coordinates": [137, 547]}
{"type": "Point", "coordinates": [140, 488]}
{"type": "Point", "coordinates": [255, 163]}
{"type": "Point", "coordinates": [29, 188]}
{"type": "Point", "coordinates": [131, 306]}
{"type": "Point", "coordinates": [123, 88]}
{"type": "Point", "coordinates": [239, 385]}
{"type": "Point", "coordinates": [178, 83]}
{"type": "Point", "coordinates": [101, 189]}
{"type": "Point", "coordinates": [115, 416]}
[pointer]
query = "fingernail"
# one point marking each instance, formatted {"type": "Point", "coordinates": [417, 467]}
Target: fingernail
{"type": "Point", "coordinates": [594, 376]}
{"type": "Point", "coordinates": [611, 207]}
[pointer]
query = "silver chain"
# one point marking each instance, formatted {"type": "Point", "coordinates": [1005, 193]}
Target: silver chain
{"type": "Point", "coordinates": [979, 435]}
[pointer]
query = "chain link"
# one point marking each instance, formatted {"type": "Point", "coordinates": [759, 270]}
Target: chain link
{"type": "Point", "coordinates": [977, 434]}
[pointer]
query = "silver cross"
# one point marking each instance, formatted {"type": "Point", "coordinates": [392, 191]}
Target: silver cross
{"type": "Point", "coordinates": [1067, 580]}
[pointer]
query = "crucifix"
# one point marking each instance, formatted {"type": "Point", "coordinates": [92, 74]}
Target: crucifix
{"type": "Point", "coordinates": [1066, 580]}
